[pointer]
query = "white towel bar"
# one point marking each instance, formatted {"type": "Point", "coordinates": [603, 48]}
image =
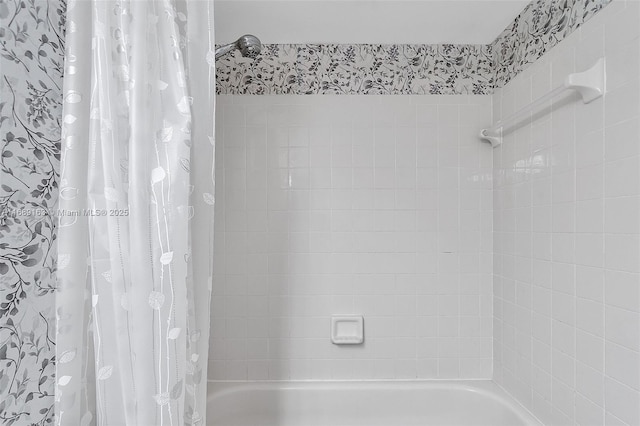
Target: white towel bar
{"type": "Point", "coordinates": [590, 84]}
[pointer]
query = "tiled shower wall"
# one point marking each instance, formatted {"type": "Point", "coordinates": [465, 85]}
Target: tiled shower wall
{"type": "Point", "coordinates": [363, 204]}
{"type": "Point", "coordinates": [566, 223]}
{"type": "Point", "coordinates": [371, 205]}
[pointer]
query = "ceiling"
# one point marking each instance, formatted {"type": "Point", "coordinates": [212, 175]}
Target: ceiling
{"type": "Point", "coordinates": [365, 21]}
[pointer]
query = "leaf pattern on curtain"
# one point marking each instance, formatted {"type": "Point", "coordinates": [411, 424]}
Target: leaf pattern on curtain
{"type": "Point", "coordinates": [132, 323]}
{"type": "Point", "coordinates": [31, 52]}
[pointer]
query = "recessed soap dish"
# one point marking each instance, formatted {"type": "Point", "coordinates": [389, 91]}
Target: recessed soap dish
{"type": "Point", "coordinates": [347, 330]}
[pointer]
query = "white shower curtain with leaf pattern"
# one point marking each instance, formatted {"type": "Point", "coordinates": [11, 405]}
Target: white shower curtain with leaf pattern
{"type": "Point", "coordinates": [136, 213]}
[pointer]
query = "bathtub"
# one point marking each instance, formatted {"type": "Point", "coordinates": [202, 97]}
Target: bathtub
{"type": "Point", "coordinates": [437, 403]}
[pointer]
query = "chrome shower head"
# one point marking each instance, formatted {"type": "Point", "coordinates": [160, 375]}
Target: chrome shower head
{"type": "Point", "coordinates": [248, 45]}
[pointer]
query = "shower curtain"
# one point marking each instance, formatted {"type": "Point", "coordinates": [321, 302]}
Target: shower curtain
{"type": "Point", "coordinates": [135, 213]}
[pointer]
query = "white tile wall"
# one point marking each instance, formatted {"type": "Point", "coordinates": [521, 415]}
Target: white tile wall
{"type": "Point", "coordinates": [371, 205]}
{"type": "Point", "coordinates": [567, 243]}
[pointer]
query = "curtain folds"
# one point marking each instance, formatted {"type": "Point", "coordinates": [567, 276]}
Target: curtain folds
{"type": "Point", "coordinates": [136, 213]}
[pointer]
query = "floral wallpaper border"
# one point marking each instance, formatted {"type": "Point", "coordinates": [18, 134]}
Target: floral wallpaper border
{"type": "Point", "coordinates": [536, 30]}
{"type": "Point", "coordinates": [31, 61]}
{"type": "Point", "coordinates": [342, 69]}
{"type": "Point", "coordinates": [406, 69]}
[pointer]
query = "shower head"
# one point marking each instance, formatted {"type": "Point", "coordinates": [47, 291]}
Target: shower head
{"type": "Point", "coordinates": [248, 45]}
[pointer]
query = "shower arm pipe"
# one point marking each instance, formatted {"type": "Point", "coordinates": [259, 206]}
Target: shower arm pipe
{"type": "Point", "coordinates": [590, 84]}
{"type": "Point", "coordinates": [223, 50]}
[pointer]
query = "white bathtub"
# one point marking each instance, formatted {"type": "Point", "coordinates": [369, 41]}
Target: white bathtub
{"type": "Point", "coordinates": [437, 403]}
